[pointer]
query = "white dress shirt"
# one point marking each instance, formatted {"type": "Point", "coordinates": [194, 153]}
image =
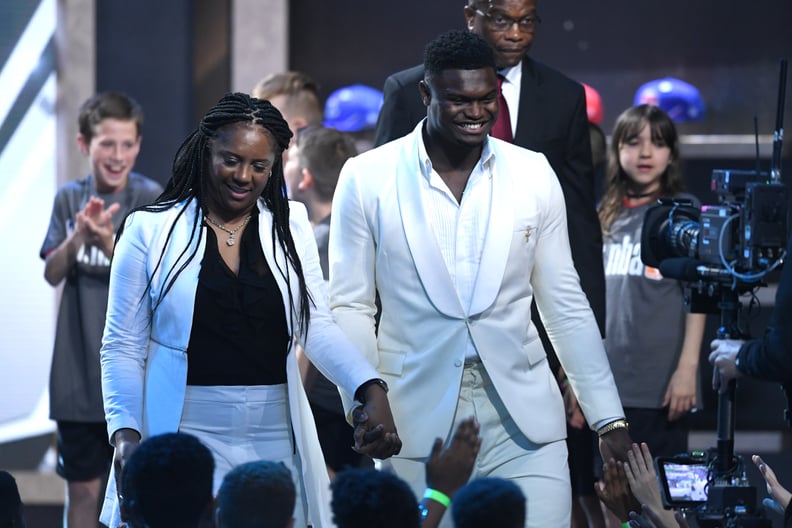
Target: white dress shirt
{"type": "Point", "coordinates": [459, 227]}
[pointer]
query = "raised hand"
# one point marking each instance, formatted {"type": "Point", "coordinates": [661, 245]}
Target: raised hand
{"type": "Point", "coordinates": [448, 470]}
{"type": "Point", "coordinates": [778, 493]}
{"type": "Point", "coordinates": [95, 222]}
{"type": "Point", "coordinates": [614, 491]}
{"type": "Point", "coordinates": [642, 478]}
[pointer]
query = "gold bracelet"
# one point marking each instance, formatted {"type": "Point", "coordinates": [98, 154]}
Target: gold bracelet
{"type": "Point", "coordinates": [612, 426]}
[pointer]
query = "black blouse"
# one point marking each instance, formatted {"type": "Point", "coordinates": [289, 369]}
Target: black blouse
{"type": "Point", "coordinates": [239, 333]}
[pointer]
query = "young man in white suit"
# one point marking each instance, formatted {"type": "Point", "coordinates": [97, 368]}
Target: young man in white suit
{"type": "Point", "coordinates": [457, 232]}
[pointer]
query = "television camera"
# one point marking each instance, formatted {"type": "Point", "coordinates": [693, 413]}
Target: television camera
{"type": "Point", "coordinates": [721, 252]}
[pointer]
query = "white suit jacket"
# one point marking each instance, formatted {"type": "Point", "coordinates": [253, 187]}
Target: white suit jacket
{"type": "Point", "coordinates": [143, 356]}
{"type": "Point", "coordinates": [381, 241]}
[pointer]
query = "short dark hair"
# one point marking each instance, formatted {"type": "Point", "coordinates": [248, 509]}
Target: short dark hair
{"type": "Point", "coordinates": [259, 494]}
{"type": "Point", "coordinates": [457, 50]}
{"type": "Point", "coordinates": [365, 497]}
{"type": "Point", "coordinates": [167, 482]}
{"type": "Point", "coordinates": [108, 105]}
{"type": "Point", "coordinates": [324, 151]}
{"type": "Point", "coordinates": [489, 501]}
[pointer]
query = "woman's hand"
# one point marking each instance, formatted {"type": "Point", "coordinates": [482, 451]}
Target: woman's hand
{"type": "Point", "coordinates": [126, 442]}
{"type": "Point", "coordinates": [375, 432]}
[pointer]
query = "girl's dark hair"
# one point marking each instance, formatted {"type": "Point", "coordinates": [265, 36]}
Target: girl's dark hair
{"type": "Point", "coordinates": [191, 167]}
{"type": "Point", "coordinates": [629, 125]}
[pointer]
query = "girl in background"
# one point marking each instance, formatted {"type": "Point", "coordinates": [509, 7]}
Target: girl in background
{"type": "Point", "coordinates": [652, 343]}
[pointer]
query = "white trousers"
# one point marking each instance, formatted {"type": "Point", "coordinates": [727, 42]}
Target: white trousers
{"type": "Point", "coordinates": [541, 471]}
{"type": "Point", "coordinates": [243, 424]}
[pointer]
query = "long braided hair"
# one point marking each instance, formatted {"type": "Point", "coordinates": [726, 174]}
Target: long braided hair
{"type": "Point", "coordinates": [190, 171]}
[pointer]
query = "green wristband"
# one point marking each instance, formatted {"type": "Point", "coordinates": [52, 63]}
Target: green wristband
{"type": "Point", "coordinates": [437, 496]}
{"type": "Point", "coordinates": [625, 524]}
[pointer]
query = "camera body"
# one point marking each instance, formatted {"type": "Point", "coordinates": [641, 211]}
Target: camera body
{"type": "Point", "coordinates": [720, 251]}
{"type": "Point", "coordinates": [741, 238]}
{"type": "Point", "coordinates": [692, 481]}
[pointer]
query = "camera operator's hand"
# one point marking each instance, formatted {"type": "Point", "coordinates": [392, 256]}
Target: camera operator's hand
{"type": "Point", "coordinates": [723, 358]}
{"type": "Point", "coordinates": [779, 493]}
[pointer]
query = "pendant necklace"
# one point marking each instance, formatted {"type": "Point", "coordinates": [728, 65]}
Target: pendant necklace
{"type": "Point", "coordinates": [231, 232]}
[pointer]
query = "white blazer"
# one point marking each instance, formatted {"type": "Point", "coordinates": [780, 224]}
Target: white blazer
{"type": "Point", "coordinates": [143, 356]}
{"type": "Point", "coordinates": [381, 241]}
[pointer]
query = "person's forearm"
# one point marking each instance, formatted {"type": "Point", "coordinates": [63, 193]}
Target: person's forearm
{"type": "Point", "coordinates": [691, 345]}
{"type": "Point", "coordinates": [61, 260]}
{"type": "Point", "coordinates": [434, 513]}
{"type": "Point", "coordinates": [107, 245]}
{"type": "Point", "coordinates": [766, 358]}
{"type": "Point", "coordinates": [433, 506]}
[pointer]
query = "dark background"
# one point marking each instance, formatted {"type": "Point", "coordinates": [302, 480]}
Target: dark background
{"type": "Point", "coordinates": [730, 50]}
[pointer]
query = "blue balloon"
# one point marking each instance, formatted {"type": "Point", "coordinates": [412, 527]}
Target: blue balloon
{"type": "Point", "coordinates": [353, 108]}
{"type": "Point", "coordinates": [680, 100]}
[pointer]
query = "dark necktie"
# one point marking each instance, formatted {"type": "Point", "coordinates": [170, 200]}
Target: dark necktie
{"type": "Point", "coordinates": [502, 127]}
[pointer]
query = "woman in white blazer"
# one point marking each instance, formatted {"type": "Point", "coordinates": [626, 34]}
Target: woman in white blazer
{"type": "Point", "coordinates": [211, 287]}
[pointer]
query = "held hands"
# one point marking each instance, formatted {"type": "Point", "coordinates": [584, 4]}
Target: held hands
{"type": "Point", "coordinates": [723, 358]}
{"type": "Point", "coordinates": [380, 440]}
{"type": "Point", "coordinates": [95, 224]}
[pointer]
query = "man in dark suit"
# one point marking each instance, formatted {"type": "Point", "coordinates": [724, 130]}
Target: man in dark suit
{"type": "Point", "coordinates": [548, 115]}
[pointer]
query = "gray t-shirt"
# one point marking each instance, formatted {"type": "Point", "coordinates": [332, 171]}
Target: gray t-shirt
{"type": "Point", "coordinates": [645, 323]}
{"type": "Point", "coordinates": [75, 376]}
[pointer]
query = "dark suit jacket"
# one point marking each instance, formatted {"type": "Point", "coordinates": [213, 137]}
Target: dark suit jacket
{"type": "Point", "coordinates": [551, 120]}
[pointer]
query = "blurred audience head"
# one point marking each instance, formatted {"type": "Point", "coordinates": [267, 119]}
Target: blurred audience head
{"type": "Point", "coordinates": [363, 498]}
{"type": "Point", "coordinates": [259, 494]}
{"type": "Point", "coordinates": [488, 502]}
{"type": "Point", "coordinates": [315, 161]}
{"type": "Point", "coordinates": [167, 483]}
